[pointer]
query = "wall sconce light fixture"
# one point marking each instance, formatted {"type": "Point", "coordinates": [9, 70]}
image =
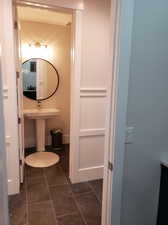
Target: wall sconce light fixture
{"type": "Point", "coordinates": [36, 50]}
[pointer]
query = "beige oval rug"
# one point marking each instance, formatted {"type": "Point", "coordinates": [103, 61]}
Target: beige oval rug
{"type": "Point", "coordinates": [42, 159]}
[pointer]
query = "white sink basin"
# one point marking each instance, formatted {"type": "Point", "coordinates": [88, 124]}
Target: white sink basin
{"type": "Point", "coordinates": [41, 113]}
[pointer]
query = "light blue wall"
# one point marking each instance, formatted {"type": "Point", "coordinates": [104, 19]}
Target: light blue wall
{"type": "Point", "coordinates": [147, 112]}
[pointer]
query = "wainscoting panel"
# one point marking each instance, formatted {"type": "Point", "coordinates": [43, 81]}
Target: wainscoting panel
{"type": "Point", "coordinates": [91, 151]}
{"type": "Point", "coordinates": [92, 133]}
{"type": "Point", "coordinates": [92, 109]}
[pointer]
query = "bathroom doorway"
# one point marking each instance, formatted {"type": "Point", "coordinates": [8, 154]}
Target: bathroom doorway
{"type": "Point", "coordinates": [51, 186]}
{"type": "Point", "coordinates": [45, 40]}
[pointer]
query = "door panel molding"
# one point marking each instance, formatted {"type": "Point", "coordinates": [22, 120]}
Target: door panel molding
{"type": "Point", "coordinates": [93, 92]}
{"type": "Point", "coordinates": [92, 132]}
{"type": "Point", "coordinates": [88, 173]}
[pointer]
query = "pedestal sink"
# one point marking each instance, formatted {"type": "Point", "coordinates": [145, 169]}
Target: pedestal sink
{"type": "Point", "coordinates": [41, 158]}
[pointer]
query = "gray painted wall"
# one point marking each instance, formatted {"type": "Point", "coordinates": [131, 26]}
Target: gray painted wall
{"type": "Point", "coordinates": [147, 112]}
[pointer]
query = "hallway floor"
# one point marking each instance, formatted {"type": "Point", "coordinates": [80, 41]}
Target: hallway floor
{"type": "Point", "coordinates": [48, 198]}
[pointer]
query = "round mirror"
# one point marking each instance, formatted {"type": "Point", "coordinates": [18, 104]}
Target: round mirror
{"type": "Point", "coordinates": [40, 79]}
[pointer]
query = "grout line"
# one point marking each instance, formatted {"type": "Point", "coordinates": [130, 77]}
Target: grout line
{"type": "Point", "coordinates": [67, 214]}
{"type": "Point", "coordinates": [74, 198]}
{"type": "Point", "coordinates": [64, 174]}
{"type": "Point", "coordinates": [94, 192]}
{"type": "Point", "coordinates": [79, 209]}
{"type": "Point", "coordinates": [82, 194]}
{"type": "Point", "coordinates": [51, 200]}
{"type": "Point", "coordinates": [57, 185]}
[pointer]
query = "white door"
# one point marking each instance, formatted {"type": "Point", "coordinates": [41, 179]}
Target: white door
{"type": "Point", "coordinates": [19, 92]}
{"type": "Point", "coordinates": [88, 94]}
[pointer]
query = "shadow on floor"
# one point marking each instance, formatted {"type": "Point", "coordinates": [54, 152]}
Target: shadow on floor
{"type": "Point", "coordinates": [48, 198]}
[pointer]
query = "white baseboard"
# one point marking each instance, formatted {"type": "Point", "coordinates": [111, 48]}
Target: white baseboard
{"type": "Point", "coordinates": [31, 142]}
{"type": "Point", "coordinates": [87, 174]}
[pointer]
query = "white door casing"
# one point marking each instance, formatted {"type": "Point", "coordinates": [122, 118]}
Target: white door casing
{"type": "Point", "coordinates": [111, 113]}
{"type": "Point", "coordinates": [121, 71]}
{"type": "Point", "coordinates": [19, 91]}
{"type": "Point", "coordinates": [10, 97]}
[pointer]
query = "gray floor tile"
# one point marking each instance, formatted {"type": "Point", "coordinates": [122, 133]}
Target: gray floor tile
{"type": "Point", "coordinates": [33, 172]}
{"type": "Point", "coordinates": [41, 214]}
{"type": "Point", "coordinates": [17, 208]}
{"type": "Point", "coordinates": [37, 190]}
{"type": "Point", "coordinates": [97, 185]}
{"type": "Point", "coordinates": [90, 208]}
{"type": "Point", "coordinates": [55, 176]}
{"type": "Point", "coordinates": [74, 219]}
{"type": "Point", "coordinates": [63, 194]}
{"type": "Point", "coordinates": [81, 188]}
{"type": "Point", "coordinates": [63, 200]}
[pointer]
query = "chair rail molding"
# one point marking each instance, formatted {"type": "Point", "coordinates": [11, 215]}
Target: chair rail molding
{"type": "Point", "coordinates": [93, 92]}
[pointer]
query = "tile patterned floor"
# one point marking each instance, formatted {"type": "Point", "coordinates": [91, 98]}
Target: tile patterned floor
{"type": "Point", "coordinates": [48, 198]}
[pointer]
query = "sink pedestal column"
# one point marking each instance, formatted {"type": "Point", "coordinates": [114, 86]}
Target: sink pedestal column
{"type": "Point", "coordinates": [41, 158]}
{"type": "Point", "coordinates": [40, 135]}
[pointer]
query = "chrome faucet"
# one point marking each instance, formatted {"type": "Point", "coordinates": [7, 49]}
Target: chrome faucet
{"type": "Point", "coordinates": [39, 104]}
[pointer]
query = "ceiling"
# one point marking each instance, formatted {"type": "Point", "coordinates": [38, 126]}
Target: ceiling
{"type": "Point", "coordinates": [43, 16]}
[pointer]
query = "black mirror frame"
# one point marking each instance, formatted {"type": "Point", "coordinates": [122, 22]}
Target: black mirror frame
{"type": "Point", "coordinates": [58, 78]}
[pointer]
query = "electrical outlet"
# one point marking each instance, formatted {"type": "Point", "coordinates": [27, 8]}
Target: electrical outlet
{"type": "Point", "coordinates": [129, 137]}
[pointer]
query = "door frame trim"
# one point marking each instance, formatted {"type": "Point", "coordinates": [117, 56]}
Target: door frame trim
{"type": "Point", "coordinates": [111, 111]}
{"type": "Point", "coordinates": [76, 60]}
{"type": "Point", "coordinates": [121, 62]}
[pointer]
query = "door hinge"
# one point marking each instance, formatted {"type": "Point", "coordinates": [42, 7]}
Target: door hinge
{"type": "Point", "coordinates": [110, 166]}
{"type": "Point", "coordinates": [19, 120]}
{"type": "Point", "coordinates": [16, 25]}
{"type": "Point", "coordinates": [17, 74]}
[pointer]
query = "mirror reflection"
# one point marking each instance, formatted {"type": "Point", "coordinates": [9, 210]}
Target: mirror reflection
{"type": "Point", "coordinates": [40, 79]}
